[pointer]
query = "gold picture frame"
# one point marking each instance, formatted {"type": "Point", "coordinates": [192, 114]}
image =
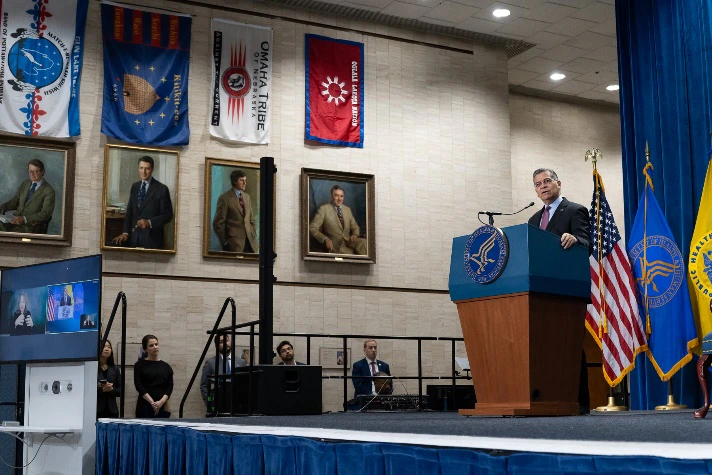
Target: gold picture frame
{"type": "Point", "coordinates": [351, 237]}
{"type": "Point", "coordinates": [227, 235]}
{"type": "Point", "coordinates": [52, 206]}
{"type": "Point", "coordinates": [120, 196]}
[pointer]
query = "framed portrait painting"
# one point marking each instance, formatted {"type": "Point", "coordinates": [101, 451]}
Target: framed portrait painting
{"type": "Point", "coordinates": [140, 200]}
{"type": "Point", "coordinates": [231, 225]}
{"type": "Point", "coordinates": [338, 216]}
{"type": "Point", "coordinates": [36, 190]}
{"type": "Point", "coordinates": [333, 358]}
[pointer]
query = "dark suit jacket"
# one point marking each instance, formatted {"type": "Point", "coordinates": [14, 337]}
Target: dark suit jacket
{"type": "Point", "coordinates": [108, 399]}
{"type": "Point", "coordinates": [157, 208]}
{"type": "Point", "coordinates": [569, 217]}
{"type": "Point", "coordinates": [209, 369]}
{"type": "Point", "coordinates": [360, 368]}
{"type": "Point", "coordinates": [67, 301]}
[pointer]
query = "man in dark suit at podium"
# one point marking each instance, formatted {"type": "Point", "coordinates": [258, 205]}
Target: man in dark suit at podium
{"type": "Point", "coordinates": [285, 350]}
{"type": "Point", "coordinates": [570, 221]}
{"type": "Point", "coordinates": [368, 366]}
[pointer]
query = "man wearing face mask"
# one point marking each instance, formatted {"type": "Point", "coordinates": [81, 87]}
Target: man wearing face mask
{"type": "Point", "coordinates": [570, 221]}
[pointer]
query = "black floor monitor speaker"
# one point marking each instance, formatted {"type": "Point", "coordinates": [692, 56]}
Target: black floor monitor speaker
{"type": "Point", "coordinates": [280, 390]}
{"type": "Point", "coordinates": [440, 397]}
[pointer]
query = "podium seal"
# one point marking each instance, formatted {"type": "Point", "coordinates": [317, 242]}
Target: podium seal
{"type": "Point", "coordinates": [486, 254]}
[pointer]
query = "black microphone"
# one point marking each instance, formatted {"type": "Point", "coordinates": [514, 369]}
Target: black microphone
{"type": "Point", "coordinates": [497, 213]}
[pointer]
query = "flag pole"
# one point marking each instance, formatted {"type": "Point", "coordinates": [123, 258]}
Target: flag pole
{"type": "Point", "coordinates": [595, 154]}
{"type": "Point", "coordinates": [671, 404]}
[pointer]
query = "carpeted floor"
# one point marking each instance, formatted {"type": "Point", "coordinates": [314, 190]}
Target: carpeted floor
{"type": "Point", "coordinates": [638, 426]}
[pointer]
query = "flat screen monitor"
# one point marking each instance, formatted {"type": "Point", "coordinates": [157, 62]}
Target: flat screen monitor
{"type": "Point", "coordinates": [51, 312]}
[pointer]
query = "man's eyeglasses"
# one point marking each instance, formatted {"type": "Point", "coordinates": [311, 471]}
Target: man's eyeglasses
{"type": "Point", "coordinates": [33, 172]}
{"type": "Point", "coordinates": [545, 181]}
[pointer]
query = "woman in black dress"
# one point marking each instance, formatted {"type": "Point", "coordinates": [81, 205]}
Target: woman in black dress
{"type": "Point", "coordinates": [108, 384]}
{"type": "Point", "coordinates": [153, 379]}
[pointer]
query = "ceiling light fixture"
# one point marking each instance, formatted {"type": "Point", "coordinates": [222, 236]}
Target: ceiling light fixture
{"type": "Point", "coordinates": [613, 87]}
{"type": "Point", "coordinates": [557, 76]}
{"type": "Point", "coordinates": [501, 13]}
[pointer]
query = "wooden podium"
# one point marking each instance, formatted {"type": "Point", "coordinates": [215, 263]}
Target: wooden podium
{"type": "Point", "coordinates": [524, 331]}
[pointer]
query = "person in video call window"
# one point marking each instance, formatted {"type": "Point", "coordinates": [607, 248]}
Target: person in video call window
{"type": "Point", "coordinates": [23, 323]}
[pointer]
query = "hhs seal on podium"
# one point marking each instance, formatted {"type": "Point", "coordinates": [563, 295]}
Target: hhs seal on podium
{"type": "Point", "coordinates": [486, 254]}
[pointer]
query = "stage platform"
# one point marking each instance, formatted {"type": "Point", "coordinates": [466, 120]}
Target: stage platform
{"type": "Point", "coordinates": [424, 442]}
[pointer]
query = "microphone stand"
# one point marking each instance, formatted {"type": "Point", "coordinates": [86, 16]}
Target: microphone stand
{"type": "Point", "coordinates": [492, 214]}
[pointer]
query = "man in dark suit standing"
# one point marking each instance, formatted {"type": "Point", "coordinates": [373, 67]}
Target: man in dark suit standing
{"type": "Point", "coordinates": [148, 210]}
{"type": "Point", "coordinates": [66, 300]}
{"type": "Point", "coordinates": [570, 221]}
{"type": "Point", "coordinates": [367, 368]}
{"type": "Point", "coordinates": [222, 343]}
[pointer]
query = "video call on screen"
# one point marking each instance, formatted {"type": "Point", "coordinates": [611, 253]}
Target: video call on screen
{"type": "Point", "coordinates": [50, 312]}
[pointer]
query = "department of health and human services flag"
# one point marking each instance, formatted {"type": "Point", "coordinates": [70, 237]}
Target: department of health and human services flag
{"type": "Point", "coordinates": [663, 296]}
{"type": "Point", "coordinates": [334, 90]}
{"type": "Point", "coordinates": [612, 318]}
{"type": "Point", "coordinates": [700, 263]}
{"type": "Point", "coordinates": [41, 66]}
{"type": "Point", "coordinates": [146, 56]}
{"type": "Point", "coordinates": [242, 82]}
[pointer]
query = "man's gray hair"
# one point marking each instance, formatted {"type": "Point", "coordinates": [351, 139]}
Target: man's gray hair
{"type": "Point", "coordinates": [542, 170]}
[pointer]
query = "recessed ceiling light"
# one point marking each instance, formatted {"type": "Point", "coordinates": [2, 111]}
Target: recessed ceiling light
{"type": "Point", "coordinates": [501, 13]}
{"type": "Point", "coordinates": [557, 76]}
{"type": "Point", "coordinates": [613, 87]}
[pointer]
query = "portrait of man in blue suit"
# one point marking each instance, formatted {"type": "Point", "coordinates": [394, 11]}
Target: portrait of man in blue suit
{"type": "Point", "coordinates": [366, 368]}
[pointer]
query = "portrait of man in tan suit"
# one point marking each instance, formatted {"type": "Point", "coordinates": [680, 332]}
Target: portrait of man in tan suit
{"type": "Point", "coordinates": [335, 227]}
{"type": "Point", "coordinates": [33, 204]}
{"type": "Point", "coordinates": [234, 221]}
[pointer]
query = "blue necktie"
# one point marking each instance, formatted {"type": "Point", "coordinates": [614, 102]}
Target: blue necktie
{"type": "Point", "coordinates": [30, 192]}
{"type": "Point", "coordinates": [142, 194]}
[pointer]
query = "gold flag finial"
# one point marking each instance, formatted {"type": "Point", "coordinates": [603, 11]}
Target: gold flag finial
{"type": "Point", "coordinates": [594, 154]}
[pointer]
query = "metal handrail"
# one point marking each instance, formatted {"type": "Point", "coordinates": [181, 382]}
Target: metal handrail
{"type": "Point", "coordinates": [453, 376]}
{"type": "Point", "coordinates": [212, 333]}
{"type": "Point", "coordinates": [120, 297]}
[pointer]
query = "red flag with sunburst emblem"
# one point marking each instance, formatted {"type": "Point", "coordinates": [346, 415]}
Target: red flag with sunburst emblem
{"type": "Point", "coordinates": [242, 82]}
{"type": "Point", "coordinates": [334, 89]}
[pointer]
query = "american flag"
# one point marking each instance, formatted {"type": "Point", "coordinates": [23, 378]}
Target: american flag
{"type": "Point", "coordinates": [613, 317]}
{"type": "Point", "coordinates": [50, 308]}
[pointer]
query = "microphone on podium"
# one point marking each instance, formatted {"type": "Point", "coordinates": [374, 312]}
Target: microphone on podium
{"type": "Point", "coordinates": [491, 214]}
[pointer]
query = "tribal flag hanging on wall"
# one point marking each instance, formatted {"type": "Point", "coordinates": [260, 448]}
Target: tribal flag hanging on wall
{"type": "Point", "coordinates": [146, 56]}
{"type": "Point", "coordinates": [41, 66]}
{"type": "Point", "coordinates": [242, 82]}
{"type": "Point", "coordinates": [334, 89]}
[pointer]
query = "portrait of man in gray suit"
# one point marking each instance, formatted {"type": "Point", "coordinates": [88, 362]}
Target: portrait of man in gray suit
{"type": "Point", "coordinates": [32, 206]}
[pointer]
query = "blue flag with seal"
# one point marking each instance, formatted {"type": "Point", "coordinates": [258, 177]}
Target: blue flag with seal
{"type": "Point", "coordinates": [146, 57]}
{"type": "Point", "coordinates": [661, 281]}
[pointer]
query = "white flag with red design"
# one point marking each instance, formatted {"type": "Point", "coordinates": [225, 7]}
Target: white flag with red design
{"type": "Point", "coordinates": [241, 101]}
{"type": "Point", "coordinates": [612, 318]}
